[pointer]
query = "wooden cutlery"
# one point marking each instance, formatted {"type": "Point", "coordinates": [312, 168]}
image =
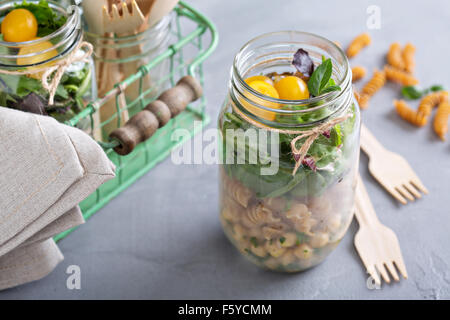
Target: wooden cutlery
{"type": "Point", "coordinates": [391, 170]}
{"type": "Point", "coordinates": [377, 245]}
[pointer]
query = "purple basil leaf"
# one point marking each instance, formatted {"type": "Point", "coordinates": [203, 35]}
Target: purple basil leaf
{"type": "Point", "coordinates": [310, 162]}
{"type": "Point", "coordinates": [327, 134]}
{"type": "Point", "coordinates": [32, 103]}
{"type": "Point", "coordinates": [303, 63]}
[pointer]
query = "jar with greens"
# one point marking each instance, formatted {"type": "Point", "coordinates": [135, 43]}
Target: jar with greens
{"type": "Point", "coordinates": [45, 67]}
{"type": "Point", "coordinates": [289, 146]}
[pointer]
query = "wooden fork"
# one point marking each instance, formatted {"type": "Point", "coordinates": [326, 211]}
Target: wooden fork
{"type": "Point", "coordinates": [124, 18]}
{"type": "Point", "coordinates": [391, 170]}
{"type": "Point", "coordinates": [377, 245]}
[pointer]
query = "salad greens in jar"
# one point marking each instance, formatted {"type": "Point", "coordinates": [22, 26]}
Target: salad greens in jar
{"type": "Point", "coordinates": [291, 218]}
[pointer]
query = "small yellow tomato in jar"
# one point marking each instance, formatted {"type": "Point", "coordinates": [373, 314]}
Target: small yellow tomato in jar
{"type": "Point", "coordinates": [19, 25]}
{"type": "Point", "coordinates": [266, 89]}
{"type": "Point", "coordinates": [292, 88]}
{"type": "Point", "coordinates": [259, 78]}
{"type": "Point", "coordinates": [36, 48]}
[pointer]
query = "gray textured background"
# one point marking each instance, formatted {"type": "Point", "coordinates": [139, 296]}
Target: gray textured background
{"type": "Point", "coordinates": [161, 238]}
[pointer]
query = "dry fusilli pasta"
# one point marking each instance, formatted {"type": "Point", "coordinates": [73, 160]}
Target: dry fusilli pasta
{"type": "Point", "coordinates": [370, 88]}
{"type": "Point", "coordinates": [394, 56]}
{"type": "Point", "coordinates": [400, 76]}
{"type": "Point", "coordinates": [410, 115]}
{"type": "Point", "coordinates": [376, 83]}
{"type": "Point", "coordinates": [408, 57]}
{"type": "Point", "coordinates": [357, 44]}
{"type": "Point", "coordinates": [362, 99]}
{"type": "Point", "coordinates": [430, 101]}
{"type": "Point", "coordinates": [441, 119]}
{"type": "Point", "coordinates": [358, 72]}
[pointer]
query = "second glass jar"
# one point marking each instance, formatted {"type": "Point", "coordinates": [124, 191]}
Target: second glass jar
{"type": "Point", "coordinates": [280, 220]}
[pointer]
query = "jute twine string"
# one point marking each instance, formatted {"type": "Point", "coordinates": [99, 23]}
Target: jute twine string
{"type": "Point", "coordinates": [311, 135]}
{"type": "Point", "coordinates": [56, 70]}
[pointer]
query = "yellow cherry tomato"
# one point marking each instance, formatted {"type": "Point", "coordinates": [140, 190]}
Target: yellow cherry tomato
{"type": "Point", "coordinates": [267, 90]}
{"type": "Point", "coordinates": [292, 88]}
{"type": "Point", "coordinates": [34, 48]}
{"type": "Point", "coordinates": [259, 78]}
{"type": "Point", "coordinates": [19, 25]}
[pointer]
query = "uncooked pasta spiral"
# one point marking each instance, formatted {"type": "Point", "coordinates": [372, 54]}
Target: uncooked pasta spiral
{"type": "Point", "coordinates": [408, 57]}
{"type": "Point", "coordinates": [394, 56]}
{"type": "Point", "coordinates": [237, 191]}
{"type": "Point", "coordinates": [375, 83]}
{"type": "Point", "coordinates": [441, 119]}
{"type": "Point", "coordinates": [358, 73]}
{"type": "Point", "coordinates": [430, 101]}
{"type": "Point", "coordinates": [362, 99]}
{"type": "Point", "coordinates": [410, 115]}
{"type": "Point", "coordinates": [357, 44]}
{"type": "Point", "coordinates": [400, 76]}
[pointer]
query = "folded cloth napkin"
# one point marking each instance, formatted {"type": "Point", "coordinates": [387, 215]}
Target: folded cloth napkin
{"type": "Point", "coordinates": [46, 169]}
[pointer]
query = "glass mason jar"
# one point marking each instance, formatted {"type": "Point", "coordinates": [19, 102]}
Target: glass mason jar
{"type": "Point", "coordinates": [22, 65]}
{"type": "Point", "coordinates": [282, 219]}
{"type": "Point", "coordinates": [122, 56]}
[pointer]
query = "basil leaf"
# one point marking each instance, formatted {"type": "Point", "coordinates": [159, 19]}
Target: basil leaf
{"type": "Point", "coordinates": [330, 89]}
{"type": "Point", "coordinates": [436, 87]}
{"type": "Point", "coordinates": [411, 92]}
{"type": "Point", "coordinates": [320, 78]}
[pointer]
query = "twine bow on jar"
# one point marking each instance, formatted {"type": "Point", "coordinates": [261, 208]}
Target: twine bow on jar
{"type": "Point", "coordinates": [61, 66]}
{"type": "Point", "coordinates": [310, 135]}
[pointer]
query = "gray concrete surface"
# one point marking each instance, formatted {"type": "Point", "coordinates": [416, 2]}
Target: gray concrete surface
{"type": "Point", "coordinates": [161, 238]}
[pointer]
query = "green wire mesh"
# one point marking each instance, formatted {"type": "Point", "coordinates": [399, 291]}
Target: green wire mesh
{"type": "Point", "coordinates": [185, 55]}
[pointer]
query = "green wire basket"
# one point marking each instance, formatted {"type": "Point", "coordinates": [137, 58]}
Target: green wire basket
{"type": "Point", "coordinates": [186, 55]}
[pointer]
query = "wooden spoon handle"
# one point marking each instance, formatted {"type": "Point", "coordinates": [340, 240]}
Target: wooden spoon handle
{"type": "Point", "coordinates": [156, 114]}
{"type": "Point", "coordinates": [369, 144]}
{"type": "Point", "coordinates": [364, 211]}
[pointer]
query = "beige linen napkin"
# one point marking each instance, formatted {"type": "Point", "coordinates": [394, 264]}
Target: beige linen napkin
{"type": "Point", "coordinates": [46, 169]}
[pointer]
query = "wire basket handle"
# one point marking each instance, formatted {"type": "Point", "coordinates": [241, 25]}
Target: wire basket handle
{"type": "Point", "coordinates": [156, 114]}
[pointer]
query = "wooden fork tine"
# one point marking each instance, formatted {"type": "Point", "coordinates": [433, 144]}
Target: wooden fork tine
{"type": "Point", "coordinates": [410, 187]}
{"type": "Point", "coordinates": [105, 13]}
{"type": "Point", "coordinates": [405, 193]}
{"type": "Point", "coordinates": [383, 272]}
{"type": "Point", "coordinates": [395, 194]}
{"type": "Point", "coordinates": [418, 184]}
{"type": "Point", "coordinates": [390, 266]}
{"type": "Point", "coordinates": [401, 266]}
{"type": "Point", "coordinates": [374, 274]}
